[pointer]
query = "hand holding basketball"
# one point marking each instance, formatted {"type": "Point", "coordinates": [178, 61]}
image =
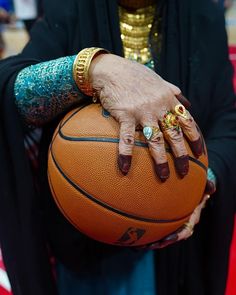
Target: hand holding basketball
{"type": "Point", "coordinates": [136, 210]}
{"type": "Point", "coordinates": [187, 229]}
{"type": "Point", "coordinates": [136, 95]}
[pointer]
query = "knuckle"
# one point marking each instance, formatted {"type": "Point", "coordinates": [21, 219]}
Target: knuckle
{"type": "Point", "coordinates": [128, 139]}
{"type": "Point", "coordinates": [177, 90]}
{"type": "Point", "coordinates": [157, 144]}
{"type": "Point", "coordinates": [168, 92]}
{"type": "Point", "coordinates": [158, 139]}
{"type": "Point", "coordinates": [175, 137]}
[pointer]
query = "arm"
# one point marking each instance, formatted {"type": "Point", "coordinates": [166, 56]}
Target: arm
{"type": "Point", "coordinates": [45, 90]}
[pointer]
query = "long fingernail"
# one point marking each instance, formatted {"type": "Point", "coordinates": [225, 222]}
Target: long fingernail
{"type": "Point", "coordinates": [171, 238]}
{"type": "Point", "coordinates": [162, 171]}
{"type": "Point", "coordinates": [166, 241]}
{"type": "Point", "coordinates": [210, 187]}
{"type": "Point", "coordinates": [124, 163]}
{"type": "Point", "coordinates": [182, 165]}
{"type": "Point", "coordinates": [183, 100]}
{"type": "Point", "coordinates": [196, 147]}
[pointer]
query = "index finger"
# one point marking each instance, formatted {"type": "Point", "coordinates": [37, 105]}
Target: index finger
{"type": "Point", "coordinates": [126, 143]}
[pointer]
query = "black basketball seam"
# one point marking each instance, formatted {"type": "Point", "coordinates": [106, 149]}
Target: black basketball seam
{"type": "Point", "coordinates": [116, 140]}
{"type": "Point", "coordinates": [58, 203]}
{"type": "Point", "coordinates": [108, 207]}
{"type": "Point", "coordinates": [62, 123]}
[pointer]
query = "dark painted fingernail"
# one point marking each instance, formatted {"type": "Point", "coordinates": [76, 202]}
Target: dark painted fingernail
{"type": "Point", "coordinates": [171, 238]}
{"type": "Point", "coordinates": [196, 147]}
{"type": "Point", "coordinates": [124, 163]}
{"type": "Point", "coordinates": [183, 100]}
{"type": "Point", "coordinates": [210, 187]}
{"type": "Point", "coordinates": [182, 165]}
{"type": "Point", "coordinates": [162, 171]}
{"type": "Point", "coordinates": [165, 242]}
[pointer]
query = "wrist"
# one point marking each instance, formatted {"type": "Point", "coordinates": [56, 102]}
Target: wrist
{"type": "Point", "coordinates": [96, 69]}
{"type": "Point", "coordinates": [81, 68]}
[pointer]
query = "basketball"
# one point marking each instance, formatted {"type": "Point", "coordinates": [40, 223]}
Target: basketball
{"type": "Point", "coordinates": [91, 192]}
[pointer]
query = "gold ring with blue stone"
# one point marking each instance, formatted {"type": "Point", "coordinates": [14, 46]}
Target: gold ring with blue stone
{"type": "Point", "coordinates": [150, 131]}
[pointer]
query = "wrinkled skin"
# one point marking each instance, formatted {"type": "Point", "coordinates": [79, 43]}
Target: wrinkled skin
{"type": "Point", "coordinates": [136, 96]}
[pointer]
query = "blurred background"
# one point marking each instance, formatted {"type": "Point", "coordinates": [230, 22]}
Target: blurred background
{"type": "Point", "coordinates": [20, 15]}
{"type": "Point", "coordinates": [16, 20]}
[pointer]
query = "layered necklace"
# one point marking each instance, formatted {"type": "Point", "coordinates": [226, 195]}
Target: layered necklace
{"type": "Point", "coordinates": [135, 27]}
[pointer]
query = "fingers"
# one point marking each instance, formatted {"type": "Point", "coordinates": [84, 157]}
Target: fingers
{"type": "Point", "coordinates": [177, 92]}
{"type": "Point", "coordinates": [126, 143]}
{"type": "Point", "coordinates": [187, 230]}
{"type": "Point", "coordinates": [186, 121]}
{"type": "Point", "coordinates": [210, 187]}
{"type": "Point", "coordinates": [156, 145]}
{"type": "Point", "coordinates": [189, 128]}
{"type": "Point", "coordinates": [173, 88]}
{"type": "Point", "coordinates": [171, 239]}
{"type": "Point", "coordinates": [182, 99]}
{"type": "Point", "coordinates": [184, 232]}
{"type": "Point", "coordinates": [173, 134]}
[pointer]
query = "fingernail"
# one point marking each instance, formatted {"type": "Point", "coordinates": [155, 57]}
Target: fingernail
{"type": "Point", "coordinates": [210, 187]}
{"type": "Point", "coordinates": [162, 171]}
{"type": "Point", "coordinates": [124, 163]}
{"type": "Point", "coordinates": [183, 100]}
{"type": "Point", "coordinates": [182, 165]}
{"type": "Point", "coordinates": [171, 238]}
{"type": "Point", "coordinates": [166, 241]}
{"type": "Point", "coordinates": [196, 147]}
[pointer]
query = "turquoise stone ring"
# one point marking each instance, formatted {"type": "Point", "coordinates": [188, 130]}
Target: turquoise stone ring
{"type": "Point", "coordinates": [149, 132]}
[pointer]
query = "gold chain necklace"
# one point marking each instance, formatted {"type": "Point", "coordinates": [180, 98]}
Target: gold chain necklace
{"type": "Point", "coordinates": [135, 27]}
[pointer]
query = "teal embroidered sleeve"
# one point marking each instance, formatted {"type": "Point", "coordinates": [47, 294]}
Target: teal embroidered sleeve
{"type": "Point", "coordinates": [44, 90]}
{"type": "Point", "coordinates": [211, 176]}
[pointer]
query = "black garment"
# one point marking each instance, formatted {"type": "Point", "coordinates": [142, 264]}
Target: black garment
{"type": "Point", "coordinates": [29, 24]}
{"type": "Point", "coordinates": [194, 57]}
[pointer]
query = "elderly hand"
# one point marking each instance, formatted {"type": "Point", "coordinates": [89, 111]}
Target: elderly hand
{"type": "Point", "coordinates": [136, 95]}
{"type": "Point", "coordinates": [187, 230]}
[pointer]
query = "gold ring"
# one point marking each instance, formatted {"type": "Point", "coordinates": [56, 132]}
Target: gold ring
{"type": "Point", "coordinates": [150, 131]}
{"type": "Point", "coordinates": [189, 226]}
{"type": "Point", "coordinates": [170, 121]}
{"type": "Point", "coordinates": [181, 111]}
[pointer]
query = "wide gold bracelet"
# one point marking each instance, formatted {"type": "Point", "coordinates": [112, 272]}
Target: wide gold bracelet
{"type": "Point", "coordinates": [81, 68]}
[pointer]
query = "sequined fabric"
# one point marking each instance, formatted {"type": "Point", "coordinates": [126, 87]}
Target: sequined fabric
{"type": "Point", "coordinates": [135, 27]}
{"type": "Point", "coordinates": [45, 90]}
{"type": "Point", "coordinates": [211, 175]}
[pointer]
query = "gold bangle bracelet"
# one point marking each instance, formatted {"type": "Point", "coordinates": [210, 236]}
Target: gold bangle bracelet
{"type": "Point", "coordinates": [81, 68]}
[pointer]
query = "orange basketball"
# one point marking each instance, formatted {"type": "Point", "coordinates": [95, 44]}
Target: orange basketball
{"type": "Point", "coordinates": [107, 206]}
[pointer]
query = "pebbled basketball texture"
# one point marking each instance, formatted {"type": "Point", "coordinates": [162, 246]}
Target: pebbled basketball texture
{"type": "Point", "coordinates": [107, 206]}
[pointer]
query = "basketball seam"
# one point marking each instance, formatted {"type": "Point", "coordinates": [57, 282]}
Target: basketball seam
{"type": "Point", "coordinates": [116, 140]}
{"type": "Point", "coordinates": [108, 207]}
{"type": "Point", "coordinates": [58, 203]}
